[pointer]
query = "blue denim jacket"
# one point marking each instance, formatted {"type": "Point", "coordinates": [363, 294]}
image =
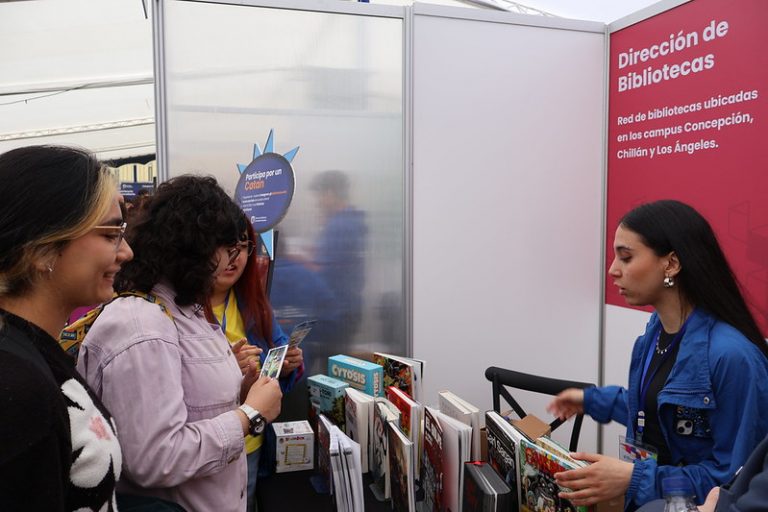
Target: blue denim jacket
{"type": "Point", "coordinates": [713, 408]}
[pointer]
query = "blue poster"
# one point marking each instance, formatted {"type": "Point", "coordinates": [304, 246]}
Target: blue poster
{"type": "Point", "coordinates": [265, 190]}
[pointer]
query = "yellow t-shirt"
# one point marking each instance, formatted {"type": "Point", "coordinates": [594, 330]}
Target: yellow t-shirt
{"type": "Point", "coordinates": [235, 331]}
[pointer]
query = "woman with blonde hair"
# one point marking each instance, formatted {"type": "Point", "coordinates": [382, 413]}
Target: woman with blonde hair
{"type": "Point", "coordinates": [61, 245]}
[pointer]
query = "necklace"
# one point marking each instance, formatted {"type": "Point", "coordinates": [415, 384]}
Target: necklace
{"type": "Point", "coordinates": [659, 350]}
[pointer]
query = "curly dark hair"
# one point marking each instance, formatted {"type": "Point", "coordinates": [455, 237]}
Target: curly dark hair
{"type": "Point", "coordinates": [176, 236]}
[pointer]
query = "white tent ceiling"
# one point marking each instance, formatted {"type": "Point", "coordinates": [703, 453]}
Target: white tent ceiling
{"type": "Point", "coordinates": [80, 71]}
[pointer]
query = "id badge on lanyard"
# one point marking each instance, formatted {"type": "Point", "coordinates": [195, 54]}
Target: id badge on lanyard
{"type": "Point", "coordinates": [630, 451]}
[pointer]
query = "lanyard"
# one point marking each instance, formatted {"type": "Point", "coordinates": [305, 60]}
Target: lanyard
{"type": "Point", "coordinates": [223, 322]}
{"type": "Point", "coordinates": [646, 384]}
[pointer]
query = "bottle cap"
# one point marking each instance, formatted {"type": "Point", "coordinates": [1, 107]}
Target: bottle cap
{"type": "Point", "coordinates": [676, 486]}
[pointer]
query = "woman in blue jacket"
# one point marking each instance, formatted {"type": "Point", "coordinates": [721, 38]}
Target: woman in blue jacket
{"type": "Point", "coordinates": [698, 380]}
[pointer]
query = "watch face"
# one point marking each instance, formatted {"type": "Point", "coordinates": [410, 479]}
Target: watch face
{"type": "Point", "coordinates": [257, 425]}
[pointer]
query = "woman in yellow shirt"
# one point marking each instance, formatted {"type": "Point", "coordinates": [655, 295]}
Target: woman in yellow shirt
{"type": "Point", "coordinates": [240, 306]}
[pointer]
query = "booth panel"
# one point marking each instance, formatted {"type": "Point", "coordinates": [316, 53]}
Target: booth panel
{"type": "Point", "coordinates": [330, 83]}
{"type": "Point", "coordinates": [507, 193]}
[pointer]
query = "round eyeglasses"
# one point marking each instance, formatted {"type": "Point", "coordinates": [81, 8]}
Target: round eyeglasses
{"type": "Point", "coordinates": [234, 252]}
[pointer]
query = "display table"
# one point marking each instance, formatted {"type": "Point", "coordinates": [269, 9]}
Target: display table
{"type": "Point", "coordinates": [294, 491]}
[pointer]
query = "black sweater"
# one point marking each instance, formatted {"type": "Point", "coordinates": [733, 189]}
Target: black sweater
{"type": "Point", "coordinates": [58, 448]}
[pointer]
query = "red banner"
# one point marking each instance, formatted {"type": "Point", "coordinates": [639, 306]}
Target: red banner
{"type": "Point", "coordinates": [687, 121]}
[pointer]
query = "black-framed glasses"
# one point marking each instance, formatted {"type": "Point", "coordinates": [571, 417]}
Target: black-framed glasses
{"type": "Point", "coordinates": [119, 235]}
{"type": "Point", "coordinates": [234, 252]}
{"type": "Point", "coordinates": [248, 246]}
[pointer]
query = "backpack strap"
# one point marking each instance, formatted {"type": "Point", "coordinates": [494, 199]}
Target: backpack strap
{"type": "Point", "coordinates": [72, 335]}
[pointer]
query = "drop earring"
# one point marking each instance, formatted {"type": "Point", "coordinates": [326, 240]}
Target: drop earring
{"type": "Point", "coordinates": [669, 282]}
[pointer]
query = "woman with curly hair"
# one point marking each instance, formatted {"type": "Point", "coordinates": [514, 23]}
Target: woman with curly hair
{"type": "Point", "coordinates": [168, 375]}
{"type": "Point", "coordinates": [61, 244]}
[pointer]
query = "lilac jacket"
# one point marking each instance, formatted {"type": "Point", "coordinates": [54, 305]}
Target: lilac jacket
{"type": "Point", "coordinates": [172, 388]}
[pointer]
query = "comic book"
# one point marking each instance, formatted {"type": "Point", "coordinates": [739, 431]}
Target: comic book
{"type": "Point", "coordinates": [401, 469]}
{"type": "Point", "coordinates": [432, 463]}
{"type": "Point", "coordinates": [503, 448]}
{"type": "Point", "coordinates": [384, 412]}
{"type": "Point", "coordinates": [538, 489]}
{"type": "Point", "coordinates": [402, 372]}
{"type": "Point", "coordinates": [411, 419]}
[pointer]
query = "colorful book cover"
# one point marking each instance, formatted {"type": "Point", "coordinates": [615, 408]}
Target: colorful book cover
{"type": "Point", "coordinates": [502, 452]}
{"type": "Point", "coordinates": [326, 396]}
{"type": "Point", "coordinates": [411, 419]}
{"type": "Point", "coordinates": [538, 489]}
{"type": "Point", "coordinates": [405, 410]}
{"type": "Point", "coordinates": [398, 372]}
{"type": "Point", "coordinates": [432, 464]}
{"type": "Point", "coordinates": [401, 470]}
{"type": "Point", "coordinates": [362, 375]}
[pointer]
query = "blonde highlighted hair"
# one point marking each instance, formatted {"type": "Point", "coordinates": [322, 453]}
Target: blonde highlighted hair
{"type": "Point", "coordinates": [50, 195]}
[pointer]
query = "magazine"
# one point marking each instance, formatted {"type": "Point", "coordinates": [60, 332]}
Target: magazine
{"type": "Point", "coordinates": [538, 489]}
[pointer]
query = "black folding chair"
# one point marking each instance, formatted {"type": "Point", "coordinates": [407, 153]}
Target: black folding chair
{"type": "Point", "coordinates": [501, 379]}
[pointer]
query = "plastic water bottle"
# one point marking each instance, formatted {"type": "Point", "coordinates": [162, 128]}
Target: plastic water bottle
{"type": "Point", "coordinates": [678, 493]}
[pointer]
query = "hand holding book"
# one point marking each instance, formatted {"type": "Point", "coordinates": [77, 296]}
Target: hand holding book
{"type": "Point", "coordinates": [605, 478]}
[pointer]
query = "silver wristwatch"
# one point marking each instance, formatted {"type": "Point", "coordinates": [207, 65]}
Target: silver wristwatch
{"type": "Point", "coordinates": [256, 422]}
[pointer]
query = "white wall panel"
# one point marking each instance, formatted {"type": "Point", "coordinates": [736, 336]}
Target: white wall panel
{"type": "Point", "coordinates": [507, 201]}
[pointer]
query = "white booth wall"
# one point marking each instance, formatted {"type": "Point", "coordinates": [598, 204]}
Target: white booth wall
{"type": "Point", "coordinates": [507, 200]}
